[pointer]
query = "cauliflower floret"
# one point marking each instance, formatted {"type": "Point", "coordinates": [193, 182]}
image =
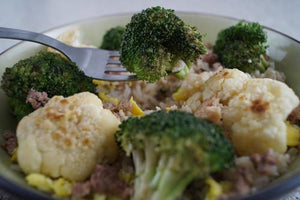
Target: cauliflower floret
{"type": "Point", "coordinates": [224, 85]}
{"type": "Point", "coordinates": [256, 116]}
{"type": "Point", "coordinates": [70, 37]}
{"type": "Point", "coordinates": [253, 110]}
{"type": "Point", "coordinates": [67, 137]}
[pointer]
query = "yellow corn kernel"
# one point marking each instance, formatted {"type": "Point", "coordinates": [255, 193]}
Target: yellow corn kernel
{"type": "Point", "coordinates": [181, 94]}
{"type": "Point", "coordinates": [99, 82]}
{"type": "Point", "coordinates": [99, 197]}
{"type": "Point", "coordinates": [62, 188]}
{"type": "Point", "coordinates": [135, 109]}
{"type": "Point", "coordinates": [14, 156]}
{"type": "Point", "coordinates": [39, 181]}
{"type": "Point", "coordinates": [111, 87]}
{"type": "Point", "coordinates": [108, 85]}
{"type": "Point", "coordinates": [214, 189]}
{"type": "Point", "coordinates": [226, 186]}
{"type": "Point", "coordinates": [107, 99]}
{"type": "Point", "coordinates": [292, 134]}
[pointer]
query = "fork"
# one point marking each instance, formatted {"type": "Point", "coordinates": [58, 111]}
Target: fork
{"type": "Point", "coordinates": [95, 63]}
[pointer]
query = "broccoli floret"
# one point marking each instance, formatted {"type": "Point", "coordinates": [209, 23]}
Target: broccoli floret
{"type": "Point", "coordinates": [172, 149]}
{"type": "Point", "coordinates": [46, 72]}
{"type": "Point", "coordinates": [242, 46]}
{"type": "Point", "coordinates": [19, 108]}
{"type": "Point", "coordinates": [156, 41]}
{"type": "Point", "coordinates": [113, 38]}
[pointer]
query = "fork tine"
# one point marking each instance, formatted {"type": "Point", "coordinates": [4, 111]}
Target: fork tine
{"type": "Point", "coordinates": [119, 77]}
{"type": "Point", "coordinates": [113, 62]}
{"type": "Point", "coordinates": [115, 69]}
{"type": "Point", "coordinates": [114, 53]}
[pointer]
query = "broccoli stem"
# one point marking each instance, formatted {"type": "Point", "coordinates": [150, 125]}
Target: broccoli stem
{"type": "Point", "coordinates": [160, 166]}
{"type": "Point", "coordinates": [182, 73]}
{"type": "Point", "coordinates": [171, 185]}
{"type": "Point", "coordinates": [138, 161]}
{"type": "Point", "coordinates": [161, 174]}
{"type": "Point", "coordinates": [180, 69]}
{"type": "Point", "coordinates": [263, 64]}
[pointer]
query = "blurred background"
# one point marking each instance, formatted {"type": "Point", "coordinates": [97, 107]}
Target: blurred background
{"type": "Point", "coordinates": [40, 15]}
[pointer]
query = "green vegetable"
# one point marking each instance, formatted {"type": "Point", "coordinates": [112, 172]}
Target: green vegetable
{"type": "Point", "coordinates": [182, 73]}
{"type": "Point", "coordinates": [242, 46]}
{"type": "Point", "coordinates": [19, 108]}
{"type": "Point", "coordinates": [45, 72]}
{"type": "Point", "coordinates": [113, 38]}
{"type": "Point", "coordinates": [172, 149]}
{"type": "Point", "coordinates": [156, 41]}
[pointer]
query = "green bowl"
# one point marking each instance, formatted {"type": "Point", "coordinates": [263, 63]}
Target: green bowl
{"type": "Point", "coordinates": [284, 50]}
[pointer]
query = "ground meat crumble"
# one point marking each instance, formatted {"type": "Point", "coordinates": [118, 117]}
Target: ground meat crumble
{"type": "Point", "coordinates": [104, 180]}
{"type": "Point", "coordinates": [210, 110]}
{"type": "Point", "coordinates": [255, 170]}
{"type": "Point", "coordinates": [294, 117]}
{"type": "Point", "coordinates": [10, 141]}
{"type": "Point", "coordinates": [37, 99]}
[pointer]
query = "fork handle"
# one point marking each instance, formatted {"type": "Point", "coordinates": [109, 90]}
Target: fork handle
{"type": "Point", "coordinates": [17, 34]}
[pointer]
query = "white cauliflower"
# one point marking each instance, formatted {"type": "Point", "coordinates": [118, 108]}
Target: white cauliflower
{"type": "Point", "coordinates": [67, 137]}
{"type": "Point", "coordinates": [224, 85]}
{"type": "Point", "coordinates": [70, 37]}
{"type": "Point", "coordinates": [73, 38]}
{"type": "Point", "coordinates": [256, 116]}
{"type": "Point", "coordinates": [253, 110]}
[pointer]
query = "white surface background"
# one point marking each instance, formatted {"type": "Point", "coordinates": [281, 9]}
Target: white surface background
{"type": "Point", "coordinates": [40, 15]}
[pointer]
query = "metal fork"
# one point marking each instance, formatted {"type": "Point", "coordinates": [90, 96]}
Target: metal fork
{"type": "Point", "coordinates": [95, 63]}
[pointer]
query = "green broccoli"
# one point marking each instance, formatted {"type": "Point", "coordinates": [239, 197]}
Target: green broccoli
{"type": "Point", "coordinates": [242, 46]}
{"type": "Point", "coordinates": [45, 72]}
{"type": "Point", "coordinates": [113, 38]}
{"type": "Point", "coordinates": [19, 108]}
{"type": "Point", "coordinates": [172, 149]}
{"type": "Point", "coordinates": [156, 41]}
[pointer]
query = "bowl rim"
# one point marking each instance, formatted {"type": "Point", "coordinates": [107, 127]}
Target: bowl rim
{"type": "Point", "coordinates": [267, 193]}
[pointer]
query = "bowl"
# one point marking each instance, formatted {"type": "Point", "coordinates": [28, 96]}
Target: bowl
{"type": "Point", "coordinates": [283, 49]}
